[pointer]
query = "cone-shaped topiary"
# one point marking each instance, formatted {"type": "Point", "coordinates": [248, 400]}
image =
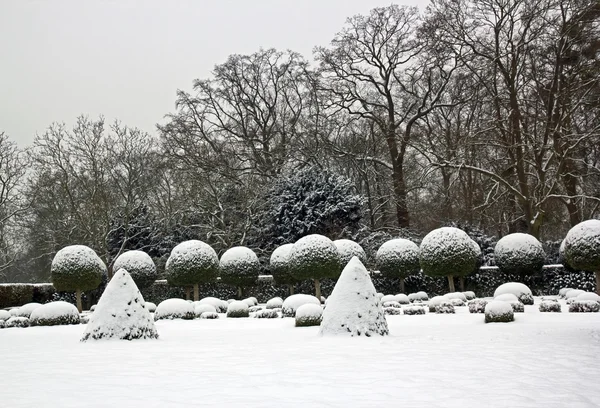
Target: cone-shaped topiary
{"type": "Point", "coordinates": [582, 248]}
{"type": "Point", "coordinates": [448, 251]}
{"type": "Point", "coordinates": [354, 308]}
{"type": "Point", "coordinates": [398, 258]}
{"type": "Point", "coordinates": [239, 267]}
{"type": "Point", "coordinates": [348, 249]}
{"type": "Point", "coordinates": [520, 254]}
{"type": "Point", "coordinates": [279, 266]}
{"type": "Point", "coordinates": [77, 268]}
{"type": "Point", "coordinates": [191, 263]}
{"type": "Point", "coordinates": [314, 257]}
{"type": "Point", "coordinates": [121, 313]}
{"type": "Point", "coordinates": [139, 265]}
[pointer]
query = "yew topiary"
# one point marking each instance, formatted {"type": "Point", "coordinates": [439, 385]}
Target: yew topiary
{"type": "Point", "coordinates": [582, 248]}
{"type": "Point", "coordinates": [140, 266]}
{"type": "Point", "coordinates": [239, 267]}
{"type": "Point", "coordinates": [398, 258]}
{"type": "Point", "coordinates": [519, 254]}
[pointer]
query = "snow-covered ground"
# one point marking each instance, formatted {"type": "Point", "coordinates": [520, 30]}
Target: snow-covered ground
{"type": "Point", "coordinates": [541, 360]}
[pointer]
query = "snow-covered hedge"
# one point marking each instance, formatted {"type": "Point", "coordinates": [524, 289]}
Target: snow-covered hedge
{"type": "Point", "coordinates": [309, 314]}
{"type": "Point", "coordinates": [239, 266]}
{"type": "Point", "coordinates": [25, 310]}
{"type": "Point", "coordinates": [174, 309]}
{"type": "Point", "coordinates": [279, 265]}
{"type": "Point", "coordinates": [190, 263]}
{"type": "Point", "coordinates": [550, 306]}
{"type": "Point", "coordinates": [584, 306]}
{"type": "Point", "coordinates": [392, 311]}
{"type": "Point", "coordinates": [238, 309]}
{"type": "Point", "coordinates": [17, 294]}
{"type": "Point", "coordinates": [521, 254]}
{"type": "Point", "coordinates": [266, 314]}
{"type": "Point", "coordinates": [398, 258]}
{"type": "Point", "coordinates": [477, 305]}
{"type": "Point", "coordinates": [209, 315]}
{"type": "Point", "coordinates": [314, 257]}
{"type": "Point", "coordinates": [292, 303]}
{"type": "Point", "coordinates": [435, 301]}
{"type": "Point", "coordinates": [414, 310]}
{"type": "Point", "coordinates": [140, 266]}
{"type": "Point", "coordinates": [55, 313]}
{"type": "Point", "coordinates": [17, 321]}
{"type": "Point", "coordinates": [520, 290]}
{"type": "Point", "coordinates": [498, 311]}
{"type": "Point", "coordinates": [348, 249]}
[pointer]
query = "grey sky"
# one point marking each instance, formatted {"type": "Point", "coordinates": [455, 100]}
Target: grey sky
{"type": "Point", "coordinates": [126, 59]}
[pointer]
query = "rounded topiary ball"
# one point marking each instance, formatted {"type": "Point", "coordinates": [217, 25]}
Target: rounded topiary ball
{"type": "Point", "coordinates": [348, 249]}
{"type": "Point", "coordinates": [192, 262]}
{"type": "Point", "coordinates": [447, 251]}
{"type": "Point", "coordinates": [398, 258]}
{"type": "Point", "coordinates": [239, 266]}
{"type": "Point", "coordinates": [76, 267]}
{"type": "Point", "coordinates": [139, 265]}
{"type": "Point", "coordinates": [582, 246]}
{"type": "Point", "coordinates": [314, 257]}
{"type": "Point", "coordinates": [520, 254]}
{"type": "Point", "coordinates": [279, 265]}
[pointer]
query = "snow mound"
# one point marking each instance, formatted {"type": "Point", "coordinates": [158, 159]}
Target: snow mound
{"type": "Point", "coordinates": [220, 305]}
{"type": "Point", "coordinates": [588, 296]}
{"type": "Point", "coordinates": [498, 311]}
{"type": "Point", "coordinates": [274, 303]}
{"type": "Point", "coordinates": [348, 249]}
{"type": "Point", "coordinates": [402, 299]}
{"type": "Point", "coordinates": [151, 307]}
{"type": "Point", "coordinates": [17, 321]}
{"type": "Point", "coordinates": [4, 315]}
{"type": "Point", "coordinates": [251, 301]}
{"type": "Point", "coordinates": [25, 310]}
{"type": "Point", "coordinates": [521, 291]}
{"type": "Point", "coordinates": [309, 314]}
{"type": "Point", "coordinates": [201, 308]}
{"type": "Point", "coordinates": [477, 306]}
{"type": "Point", "coordinates": [121, 313]}
{"type": "Point", "coordinates": [353, 307]}
{"type": "Point", "coordinates": [456, 295]}
{"type": "Point", "coordinates": [578, 306]}
{"type": "Point", "coordinates": [237, 309]}
{"type": "Point", "coordinates": [573, 293]}
{"type": "Point", "coordinates": [140, 266]}
{"type": "Point", "coordinates": [551, 306]}
{"type": "Point", "coordinates": [266, 314]}
{"type": "Point", "coordinates": [55, 313]}
{"type": "Point", "coordinates": [174, 309]}
{"type": "Point", "coordinates": [293, 302]}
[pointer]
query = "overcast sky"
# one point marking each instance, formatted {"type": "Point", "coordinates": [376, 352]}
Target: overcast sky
{"type": "Point", "coordinates": [126, 59]}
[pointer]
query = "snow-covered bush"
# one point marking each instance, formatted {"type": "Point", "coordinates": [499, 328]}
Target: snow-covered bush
{"type": "Point", "coordinates": [445, 308]}
{"type": "Point", "coordinates": [203, 307]}
{"type": "Point", "coordinates": [309, 315]}
{"type": "Point", "coordinates": [520, 290]}
{"type": "Point", "coordinates": [519, 254]}
{"type": "Point", "coordinates": [562, 292]}
{"type": "Point", "coordinates": [239, 267]}
{"type": "Point", "coordinates": [582, 248]}
{"type": "Point", "coordinates": [588, 296]}
{"type": "Point", "coordinates": [266, 314]}
{"type": "Point", "coordinates": [448, 251]}
{"type": "Point", "coordinates": [174, 309]}
{"type": "Point", "coordinates": [191, 263]}
{"type": "Point", "coordinates": [292, 303]}
{"type": "Point", "coordinates": [209, 315]}
{"type": "Point", "coordinates": [249, 302]}
{"type": "Point", "coordinates": [436, 301]}
{"type": "Point", "coordinates": [391, 303]}
{"type": "Point", "coordinates": [498, 311]}
{"type": "Point", "coordinates": [573, 293]}
{"type": "Point", "coordinates": [392, 311]}
{"type": "Point", "coordinates": [139, 265]}
{"type": "Point", "coordinates": [477, 306]}
{"type": "Point", "coordinates": [456, 295]}
{"type": "Point", "coordinates": [55, 313]}
{"type": "Point", "coordinates": [402, 299]}
{"type": "Point", "coordinates": [17, 321]}
{"type": "Point", "coordinates": [219, 305]}
{"type": "Point", "coordinates": [550, 306]}
{"type": "Point", "coordinates": [121, 313]}
{"type": "Point", "coordinates": [275, 303]}
{"type": "Point", "coordinates": [25, 310]}
{"type": "Point", "coordinates": [348, 249]}
{"type": "Point", "coordinates": [353, 307]}
{"type": "Point", "coordinates": [414, 310]}
{"type": "Point", "coordinates": [457, 302]}
{"type": "Point", "coordinates": [388, 298]}
{"type": "Point", "coordinates": [583, 306]}
{"type": "Point", "coordinates": [507, 297]}
{"type": "Point", "coordinates": [151, 307]}
{"type": "Point", "coordinates": [77, 268]}
{"type": "Point", "coordinates": [2, 324]}
{"type": "Point", "coordinates": [398, 258]}
{"type": "Point", "coordinates": [314, 257]}
{"type": "Point", "coordinates": [4, 315]}
{"type": "Point", "coordinates": [279, 266]}
{"type": "Point", "coordinates": [238, 309]}
{"type": "Point", "coordinates": [254, 309]}
{"type": "Point", "coordinates": [469, 295]}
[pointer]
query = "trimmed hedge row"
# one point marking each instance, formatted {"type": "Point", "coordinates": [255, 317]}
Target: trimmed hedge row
{"type": "Point", "coordinates": [18, 294]}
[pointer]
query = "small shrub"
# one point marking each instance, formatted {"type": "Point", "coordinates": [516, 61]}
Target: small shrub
{"type": "Point", "coordinates": [444, 308]}
{"type": "Point", "coordinates": [274, 303]}
{"type": "Point", "coordinates": [174, 309]}
{"type": "Point", "coordinates": [457, 302]}
{"type": "Point", "coordinates": [209, 315]}
{"type": "Point", "coordinates": [392, 311]}
{"type": "Point", "coordinates": [200, 308]}
{"type": "Point", "coordinates": [469, 295]}
{"type": "Point", "coordinates": [392, 303]}
{"type": "Point", "coordinates": [255, 309]}
{"type": "Point", "coordinates": [414, 310]}
{"type": "Point", "coordinates": [517, 307]}
{"type": "Point", "coordinates": [309, 315]}
{"type": "Point", "coordinates": [237, 309]}
{"type": "Point", "coordinates": [2, 324]}
{"type": "Point", "coordinates": [551, 306]}
{"type": "Point", "coordinates": [266, 314]}
{"type": "Point", "coordinates": [584, 306]}
{"type": "Point", "coordinates": [498, 311]}
{"type": "Point", "coordinates": [54, 314]}
{"type": "Point", "coordinates": [477, 306]}
{"type": "Point", "coordinates": [17, 321]}
{"type": "Point", "coordinates": [292, 303]}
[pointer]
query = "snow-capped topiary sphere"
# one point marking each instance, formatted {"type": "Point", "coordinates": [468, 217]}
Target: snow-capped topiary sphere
{"type": "Point", "coordinates": [520, 290]}
{"type": "Point", "coordinates": [54, 314]}
{"type": "Point", "coordinates": [309, 314]}
{"type": "Point", "coordinates": [121, 313]}
{"type": "Point", "coordinates": [447, 251]}
{"type": "Point", "coordinates": [582, 248]}
{"type": "Point", "coordinates": [550, 306]}
{"type": "Point", "coordinates": [203, 307]}
{"type": "Point", "coordinates": [139, 265]}
{"type": "Point", "coordinates": [578, 306]}
{"type": "Point", "coordinates": [292, 303]}
{"type": "Point", "coordinates": [520, 254]}
{"type": "Point", "coordinates": [238, 309]}
{"type": "Point", "coordinates": [191, 263]}
{"type": "Point", "coordinates": [354, 308]}
{"type": "Point", "coordinates": [398, 258]}
{"type": "Point", "coordinates": [279, 265]}
{"type": "Point", "coordinates": [220, 305]}
{"type": "Point", "coordinates": [477, 305]}
{"type": "Point", "coordinates": [274, 303]}
{"type": "Point", "coordinates": [498, 311]}
{"type": "Point", "coordinates": [17, 321]}
{"type": "Point", "coordinates": [174, 309]}
{"type": "Point", "coordinates": [348, 249]}
{"type": "Point", "coordinates": [239, 267]}
{"type": "Point", "coordinates": [151, 307]}
{"type": "Point", "coordinates": [27, 309]}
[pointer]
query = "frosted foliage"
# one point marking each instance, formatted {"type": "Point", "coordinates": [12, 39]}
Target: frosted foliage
{"type": "Point", "coordinates": [140, 266]}
{"type": "Point", "coordinates": [17, 321]}
{"type": "Point", "coordinates": [293, 302]}
{"type": "Point", "coordinates": [398, 258]}
{"type": "Point", "coordinates": [520, 254]}
{"type": "Point", "coordinates": [578, 306]}
{"type": "Point", "coordinates": [55, 313]}
{"type": "Point", "coordinates": [498, 311]}
{"type": "Point", "coordinates": [281, 255]}
{"type": "Point", "coordinates": [309, 310]}
{"type": "Point", "coordinates": [447, 251]}
{"type": "Point", "coordinates": [279, 264]}
{"type": "Point", "coordinates": [121, 313]}
{"type": "Point", "coordinates": [582, 246]}
{"type": "Point", "coordinates": [239, 266]}
{"type": "Point", "coordinates": [192, 262]}
{"type": "Point", "coordinates": [77, 267]}
{"type": "Point", "coordinates": [354, 309]}
{"type": "Point", "coordinates": [174, 309]}
{"type": "Point", "coordinates": [25, 310]}
{"type": "Point", "coordinates": [347, 249]}
{"type": "Point", "coordinates": [314, 257]}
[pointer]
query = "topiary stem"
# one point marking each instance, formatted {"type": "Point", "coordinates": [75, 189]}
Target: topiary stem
{"type": "Point", "coordinates": [462, 283]}
{"type": "Point", "coordinates": [196, 292]}
{"type": "Point", "coordinates": [78, 298]}
{"type": "Point", "coordinates": [401, 285]}
{"type": "Point", "coordinates": [240, 291]}
{"type": "Point", "coordinates": [451, 283]}
{"type": "Point", "coordinates": [187, 293]}
{"type": "Point", "coordinates": [598, 282]}
{"type": "Point", "coordinates": [318, 289]}
{"type": "Point", "coordinates": [291, 287]}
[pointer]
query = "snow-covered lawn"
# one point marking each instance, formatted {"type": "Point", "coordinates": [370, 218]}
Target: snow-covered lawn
{"type": "Point", "coordinates": [541, 360]}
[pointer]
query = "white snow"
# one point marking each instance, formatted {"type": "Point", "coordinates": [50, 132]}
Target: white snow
{"type": "Point", "coordinates": [498, 308]}
{"type": "Point", "coordinates": [519, 245]}
{"type": "Point", "coordinates": [151, 307]}
{"type": "Point", "coordinates": [401, 298]}
{"type": "Point", "coordinates": [588, 296]}
{"type": "Point", "coordinates": [121, 313]}
{"type": "Point", "coordinates": [249, 302]}
{"type": "Point", "coordinates": [573, 293]}
{"type": "Point", "coordinates": [220, 305]}
{"type": "Point", "coordinates": [280, 255]}
{"type": "Point", "coordinates": [274, 303]}
{"type": "Point", "coordinates": [421, 295]}
{"type": "Point", "coordinates": [562, 292]}
{"type": "Point", "coordinates": [398, 250]}
{"type": "Point", "coordinates": [201, 308]}
{"type": "Point", "coordinates": [53, 311]}
{"type": "Point", "coordinates": [25, 310]}
{"type": "Point", "coordinates": [348, 249]}
{"type": "Point", "coordinates": [4, 315]}
{"type": "Point", "coordinates": [354, 309]}
{"type": "Point", "coordinates": [174, 309]}
{"type": "Point", "coordinates": [17, 321]}
{"type": "Point", "coordinates": [456, 295]}
{"type": "Point", "coordinates": [506, 297]}
{"type": "Point", "coordinates": [515, 288]}
{"type": "Point", "coordinates": [389, 298]}
{"type": "Point", "coordinates": [77, 255]}
{"type": "Point", "coordinates": [237, 306]}
{"type": "Point", "coordinates": [293, 302]}
{"type": "Point", "coordinates": [309, 310]}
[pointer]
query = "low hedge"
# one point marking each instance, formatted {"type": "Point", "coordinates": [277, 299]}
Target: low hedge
{"type": "Point", "coordinates": [18, 294]}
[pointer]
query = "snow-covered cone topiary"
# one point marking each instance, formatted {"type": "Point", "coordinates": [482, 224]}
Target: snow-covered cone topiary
{"type": "Point", "coordinates": [220, 305]}
{"type": "Point", "coordinates": [54, 314]}
{"type": "Point", "coordinates": [498, 311]}
{"type": "Point", "coordinates": [520, 290]}
{"type": "Point", "coordinates": [76, 268]}
{"type": "Point", "coordinates": [279, 266]}
{"type": "Point", "coordinates": [174, 309]}
{"type": "Point", "coordinates": [27, 309]}
{"type": "Point", "coordinates": [314, 257]}
{"type": "Point", "coordinates": [354, 308]}
{"type": "Point", "coordinates": [274, 303]}
{"type": "Point", "coordinates": [477, 305]}
{"type": "Point", "coordinates": [582, 248]}
{"type": "Point", "coordinates": [309, 315]}
{"type": "Point", "coordinates": [520, 254]}
{"type": "Point", "coordinates": [237, 309]}
{"type": "Point", "coordinates": [191, 263]}
{"type": "Point", "coordinates": [398, 258]}
{"type": "Point", "coordinates": [448, 251]}
{"type": "Point", "coordinates": [579, 306]}
{"type": "Point", "coordinates": [550, 306]}
{"type": "Point", "coordinates": [121, 313]}
{"type": "Point", "coordinates": [292, 303]}
{"type": "Point", "coordinates": [239, 267]}
{"type": "Point", "coordinates": [17, 321]}
{"type": "Point", "coordinates": [139, 265]}
{"type": "Point", "coordinates": [348, 249]}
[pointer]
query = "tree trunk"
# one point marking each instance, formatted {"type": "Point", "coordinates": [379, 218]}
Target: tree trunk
{"type": "Point", "coordinates": [451, 283]}
{"type": "Point", "coordinates": [78, 297]}
{"type": "Point", "coordinates": [462, 283]}
{"type": "Point", "coordinates": [318, 289]}
{"type": "Point", "coordinates": [196, 292]}
{"type": "Point", "coordinates": [187, 293]}
{"type": "Point", "coordinates": [598, 282]}
{"type": "Point", "coordinates": [401, 285]}
{"type": "Point", "coordinates": [291, 289]}
{"type": "Point", "coordinates": [240, 292]}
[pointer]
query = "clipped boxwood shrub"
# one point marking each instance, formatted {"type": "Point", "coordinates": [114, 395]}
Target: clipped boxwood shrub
{"type": "Point", "coordinates": [347, 249]}
{"type": "Point", "coordinates": [582, 248]}
{"type": "Point", "coordinates": [239, 267]}
{"type": "Point", "coordinates": [498, 311]}
{"type": "Point", "coordinates": [445, 308]}
{"type": "Point", "coordinates": [414, 310]}
{"type": "Point", "coordinates": [17, 321]}
{"type": "Point", "coordinates": [398, 258]}
{"type": "Point", "coordinates": [309, 314]}
{"type": "Point", "coordinates": [266, 314]}
{"type": "Point", "coordinates": [584, 306]}
{"type": "Point", "coordinates": [392, 311]}
{"type": "Point", "coordinates": [279, 266]}
{"type": "Point", "coordinates": [140, 266]}
{"type": "Point", "coordinates": [477, 306]}
{"type": "Point", "coordinates": [519, 254]}
{"type": "Point", "coordinates": [55, 314]}
{"type": "Point", "coordinates": [238, 309]}
{"type": "Point", "coordinates": [550, 306]}
{"type": "Point", "coordinates": [209, 315]}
